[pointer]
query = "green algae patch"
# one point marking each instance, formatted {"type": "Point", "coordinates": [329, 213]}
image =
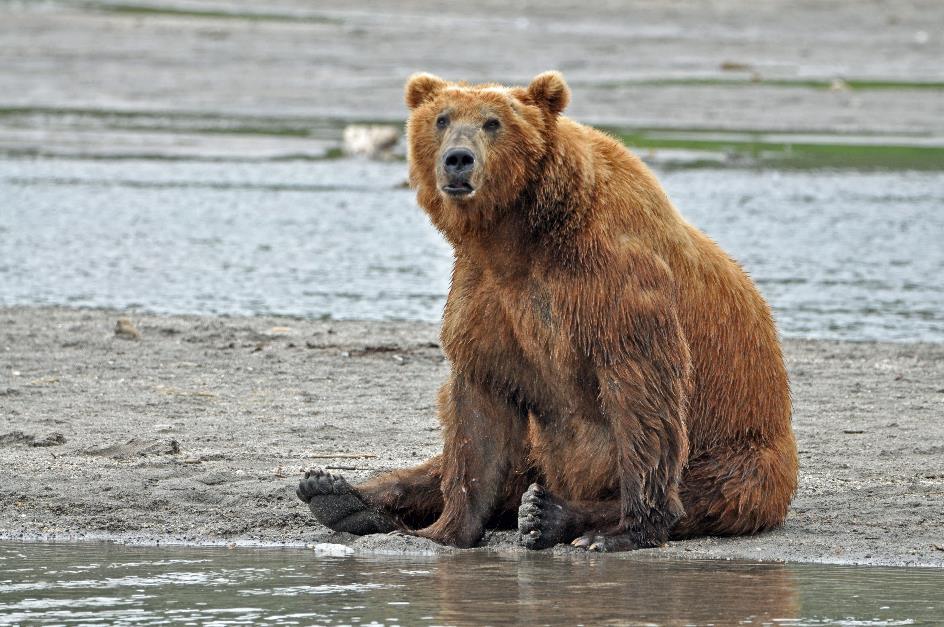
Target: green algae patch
{"type": "Point", "coordinates": [793, 151]}
{"type": "Point", "coordinates": [753, 81]}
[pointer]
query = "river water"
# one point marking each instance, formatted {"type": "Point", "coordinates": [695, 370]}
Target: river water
{"type": "Point", "coordinates": [839, 254]}
{"type": "Point", "coordinates": [110, 584]}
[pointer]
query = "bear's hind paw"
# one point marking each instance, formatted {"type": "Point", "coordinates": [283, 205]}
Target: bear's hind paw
{"type": "Point", "coordinates": [338, 506]}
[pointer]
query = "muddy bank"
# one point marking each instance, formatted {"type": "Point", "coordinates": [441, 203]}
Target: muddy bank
{"type": "Point", "coordinates": [197, 432]}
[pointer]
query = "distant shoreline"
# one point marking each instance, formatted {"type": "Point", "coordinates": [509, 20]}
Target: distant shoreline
{"type": "Point", "coordinates": [196, 433]}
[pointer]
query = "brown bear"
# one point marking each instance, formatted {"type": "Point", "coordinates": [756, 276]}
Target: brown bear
{"type": "Point", "coordinates": [617, 379]}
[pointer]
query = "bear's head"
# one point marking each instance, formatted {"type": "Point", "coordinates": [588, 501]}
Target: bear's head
{"type": "Point", "coordinates": [473, 149]}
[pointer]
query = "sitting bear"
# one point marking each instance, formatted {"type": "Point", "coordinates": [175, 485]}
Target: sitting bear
{"type": "Point", "coordinates": [616, 379]}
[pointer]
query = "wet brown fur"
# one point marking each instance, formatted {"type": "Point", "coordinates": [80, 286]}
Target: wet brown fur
{"type": "Point", "coordinates": [600, 345]}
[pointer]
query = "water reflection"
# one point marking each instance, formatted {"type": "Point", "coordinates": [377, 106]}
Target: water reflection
{"type": "Point", "coordinates": [596, 590]}
{"type": "Point", "coordinates": [82, 583]}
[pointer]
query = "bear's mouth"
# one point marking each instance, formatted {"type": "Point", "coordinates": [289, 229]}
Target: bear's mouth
{"type": "Point", "coordinates": [458, 190]}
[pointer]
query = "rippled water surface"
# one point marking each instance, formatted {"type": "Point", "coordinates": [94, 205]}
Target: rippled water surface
{"type": "Point", "coordinates": [99, 584]}
{"type": "Point", "coordinates": [851, 255]}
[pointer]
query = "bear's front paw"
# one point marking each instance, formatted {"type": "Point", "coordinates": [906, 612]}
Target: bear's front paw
{"type": "Point", "coordinates": [541, 519]}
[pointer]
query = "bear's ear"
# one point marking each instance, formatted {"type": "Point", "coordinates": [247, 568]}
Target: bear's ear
{"type": "Point", "coordinates": [550, 92]}
{"type": "Point", "coordinates": [422, 86]}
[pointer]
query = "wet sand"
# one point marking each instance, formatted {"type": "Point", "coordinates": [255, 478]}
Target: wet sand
{"type": "Point", "coordinates": [198, 431]}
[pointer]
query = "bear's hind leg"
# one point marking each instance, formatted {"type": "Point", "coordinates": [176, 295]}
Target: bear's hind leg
{"type": "Point", "coordinates": [738, 490]}
{"type": "Point", "coordinates": [412, 496]}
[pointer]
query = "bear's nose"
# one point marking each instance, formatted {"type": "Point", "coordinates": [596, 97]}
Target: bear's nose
{"type": "Point", "coordinates": [458, 161]}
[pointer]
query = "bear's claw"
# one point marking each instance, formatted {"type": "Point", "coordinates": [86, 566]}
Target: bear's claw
{"type": "Point", "coordinates": [605, 543]}
{"type": "Point", "coordinates": [591, 543]}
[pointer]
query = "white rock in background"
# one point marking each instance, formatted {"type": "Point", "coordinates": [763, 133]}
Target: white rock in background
{"type": "Point", "coordinates": [373, 141]}
{"type": "Point", "coordinates": [333, 550]}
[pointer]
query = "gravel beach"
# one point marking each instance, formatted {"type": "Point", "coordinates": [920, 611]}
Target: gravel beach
{"type": "Point", "coordinates": [183, 429]}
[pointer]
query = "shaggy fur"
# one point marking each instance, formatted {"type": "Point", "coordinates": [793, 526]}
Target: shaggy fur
{"type": "Point", "coordinates": [616, 378]}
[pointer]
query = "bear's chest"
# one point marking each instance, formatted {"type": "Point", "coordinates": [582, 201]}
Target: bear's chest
{"type": "Point", "coordinates": [514, 333]}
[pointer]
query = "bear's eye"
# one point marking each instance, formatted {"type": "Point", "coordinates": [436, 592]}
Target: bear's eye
{"type": "Point", "coordinates": [442, 122]}
{"type": "Point", "coordinates": [491, 125]}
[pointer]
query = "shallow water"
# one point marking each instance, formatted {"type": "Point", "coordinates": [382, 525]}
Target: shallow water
{"type": "Point", "coordinates": [844, 254]}
{"type": "Point", "coordinates": [103, 583]}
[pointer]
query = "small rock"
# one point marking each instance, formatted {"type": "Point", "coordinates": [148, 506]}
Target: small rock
{"type": "Point", "coordinates": [125, 329]}
{"type": "Point", "coordinates": [333, 550]}
{"type": "Point", "coordinates": [135, 448]}
{"type": "Point", "coordinates": [734, 66]}
{"type": "Point", "coordinates": [838, 84]}
{"type": "Point", "coordinates": [16, 437]}
{"type": "Point", "coordinates": [53, 439]}
{"type": "Point", "coordinates": [24, 439]}
{"type": "Point", "coordinates": [373, 141]}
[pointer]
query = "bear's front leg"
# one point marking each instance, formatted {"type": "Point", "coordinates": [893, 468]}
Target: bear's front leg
{"type": "Point", "coordinates": [645, 404]}
{"type": "Point", "coordinates": [642, 365]}
{"type": "Point", "coordinates": [647, 423]}
{"type": "Point", "coordinates": [484, 460]}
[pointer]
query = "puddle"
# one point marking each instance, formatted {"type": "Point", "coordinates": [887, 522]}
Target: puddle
{"type": "Point", "coordinates": [104, 583]}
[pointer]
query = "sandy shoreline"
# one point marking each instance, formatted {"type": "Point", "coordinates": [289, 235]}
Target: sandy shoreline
{"type": "Point", "coordinates": [197, 433]}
